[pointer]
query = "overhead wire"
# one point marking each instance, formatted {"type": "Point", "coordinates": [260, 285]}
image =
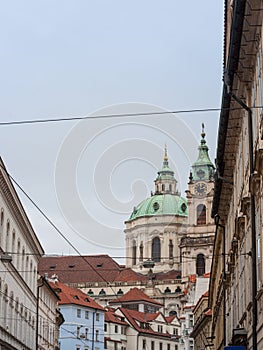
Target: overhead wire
{"type": "Point", "coordinates": [121, 115]}
{"type": "Point", "coordinates": [55, 227]}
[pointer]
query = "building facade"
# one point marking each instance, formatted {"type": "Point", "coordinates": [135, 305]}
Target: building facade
{"type": "Point", "coordinates": [20, 252]}
{"type": "Point", "coordinates": [83, 327]}
{"type": "Point", "coordinates": [235, 294]}
{"type": "Point", "coordinates": [48, 317]}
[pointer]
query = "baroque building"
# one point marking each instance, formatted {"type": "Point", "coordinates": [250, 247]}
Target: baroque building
{"type": "Point", "coordinates": [167, 232]}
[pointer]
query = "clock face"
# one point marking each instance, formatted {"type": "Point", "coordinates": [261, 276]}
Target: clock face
{"type": "Point", "coordinates": [200, 189]}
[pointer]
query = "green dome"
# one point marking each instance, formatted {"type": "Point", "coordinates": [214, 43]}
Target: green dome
{"type": "Point", "coordinates": [161, 204]}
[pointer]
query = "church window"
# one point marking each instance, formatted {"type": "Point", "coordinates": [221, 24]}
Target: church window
{"type": "Point", "coordinates": [163, 188]}
{"type": "Point", "coordinates": [141, 251]}
{"type": "Point", "coordinates": [134, 253]}
{"type": "Point", "coordinates": [156, 206]}
{"type": "Point", "coordinates": [201, 214]}
{"type": "Point", "coordinates": [156, 249]}
{"type": "Point", "coordinates": [200, 264]}
{"type": "Point", "coordinates": [171, 247]}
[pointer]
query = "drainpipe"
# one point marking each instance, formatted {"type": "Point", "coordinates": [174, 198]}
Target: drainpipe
{"type": "Point", "coordinates": [253, 223]}
{"type": "Point", "coordinates": [37, 311]}
{"type": "Point", "coordinates": [217, 219]}
{"type": "Point", "coordinates": [93, 328]}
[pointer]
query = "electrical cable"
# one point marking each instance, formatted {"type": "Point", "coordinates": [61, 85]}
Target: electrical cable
{"type": "Point", "coordinates": [55, 227]}
{"type": "Point", "coordinates": [122, 115]}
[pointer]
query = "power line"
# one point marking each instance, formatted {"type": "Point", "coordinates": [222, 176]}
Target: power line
{"type": "Point", "coordinates": [55, 227]}
{"type": "Point", "coordinates": [122, 115]}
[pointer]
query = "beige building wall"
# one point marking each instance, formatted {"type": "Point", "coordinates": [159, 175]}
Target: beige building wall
{"type": "Point", "coordinates": [240, 182]}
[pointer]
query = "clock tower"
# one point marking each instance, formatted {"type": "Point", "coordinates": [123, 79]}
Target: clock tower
{"type": "Point", "coordinates": [196, 245]}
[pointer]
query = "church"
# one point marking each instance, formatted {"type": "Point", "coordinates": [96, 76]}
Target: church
{"type": "Point", "coordinates": [168, 232]}
{"type": "Point", "coordinates": [169, 238]}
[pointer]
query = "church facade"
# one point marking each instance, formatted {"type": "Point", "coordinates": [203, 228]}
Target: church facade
{"type": "Point", "coordinates": [167, 232]}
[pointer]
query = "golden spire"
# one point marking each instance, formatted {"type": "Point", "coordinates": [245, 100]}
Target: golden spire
{"type": "Point", "coordinates": [165, 158]}
{"type": "Point", "coordinates": [203, 131]}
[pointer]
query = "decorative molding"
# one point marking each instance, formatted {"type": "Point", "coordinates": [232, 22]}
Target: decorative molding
{"type": "Point", "coordinates": [259, 161]}
{"type": "Point", "coordinates": [254, 183]}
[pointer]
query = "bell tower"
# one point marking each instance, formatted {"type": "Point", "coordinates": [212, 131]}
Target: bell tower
{"type": "Point", "coordinates": [197, 244]}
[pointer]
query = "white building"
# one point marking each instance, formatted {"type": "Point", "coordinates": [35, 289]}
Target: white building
{"type": "Point", "coordinates": [20, 252]}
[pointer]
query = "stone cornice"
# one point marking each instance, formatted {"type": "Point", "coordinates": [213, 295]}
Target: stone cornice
{"type": "Point", "coordinates": [12, 200]}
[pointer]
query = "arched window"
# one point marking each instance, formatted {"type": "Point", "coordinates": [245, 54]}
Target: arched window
{"type": "Point", "coordinates": [163, 188]}
{"type": "Point", "coordinates": [156, 249]}
{"type": "Point", "coordinates": [141, 251]}
{"type": "Point", "coordinates": [200, 264]}
{"type": "Point", "coordinates": [5, 304]}
{"type": "Point", "coordinates": [134, 253]}
{"type": "Point", "coordinates": [18, 255]}
{"type": "Point", "coordinates": [171, 248]}
{"type": "Point", "coordinates": [201, 214]}
{"type": "Point", "coordinates": [7, 237]}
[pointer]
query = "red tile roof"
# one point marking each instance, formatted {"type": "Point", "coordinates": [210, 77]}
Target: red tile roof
{"type": "Point", "coordinates": [132, 316]}
{"type": "Point", "coordinates": [111, 317]}
{"type": "Point", "coordinates": [76, 269]}
{"type": "Point", "coordinates": [94, 268]}
{"type": "Point", "coordinates": [74, 296]}
{"type": "Point", "coordinates": [192, 278]}
{"type": "Point", "coordinates": [128, 274]}
{"type": "Point", "coordinates": [135, 294]}
{"type": "Point", "coordinates": [169, 319]}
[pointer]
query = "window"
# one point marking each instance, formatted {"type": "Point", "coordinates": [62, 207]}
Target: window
{"type": "Point", "coordinates": [156, 249]}
{"type": "Point", "coordinates": [168, 347]}
{"type": "Point", "coordinates": [97, 335]}
{"type": "Point", "coordinates": [123, 330]}
{"type": "Point", "coordinates": [200, 264]}
{"type": "Point", "coordinates": [116, 329]}
{"type": "Point", "coordinates": [105, 327]}
{"type": "Point", "coordinates": [87, 315]}
{"type": "Point", "coordinates": [78, 313]}
{"type": "Point", "coordinates": [77, 347]}
{"type": "Point", "coordinates": [171, 248]}
{"type": "Point", "coordinates": [152, 345]}
{"type": "Point", "coordinates": [86, 333]}
{"type": "Point", "coordinates": [141, 251]}
{"type": "Point", "coordinates": [160, 329]}
{"type": "Point", "coordinates": [144, 343]}
{"type": "Point", "coordinates": [134, 253]}
{"type": "Point", "coordinates": [161, 346]}
{"type": "Point", "coordinates": [97, 317]}
{"type": "Point", "coordinates": [201, 214]}
{"type": "Point", "coordinates": [176, 347]}
{"type": "Point", "coordinates": [78, 330]}
{"type": "Point", "coordinates": [191, 321]}
{"type": "Point", "coordinates": [115, 346]}
{"type": "Point", "coordinates": [163, 188]}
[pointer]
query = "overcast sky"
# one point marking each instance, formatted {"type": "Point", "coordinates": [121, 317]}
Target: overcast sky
{"type": "Point", "coordinates": [62, 59]}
